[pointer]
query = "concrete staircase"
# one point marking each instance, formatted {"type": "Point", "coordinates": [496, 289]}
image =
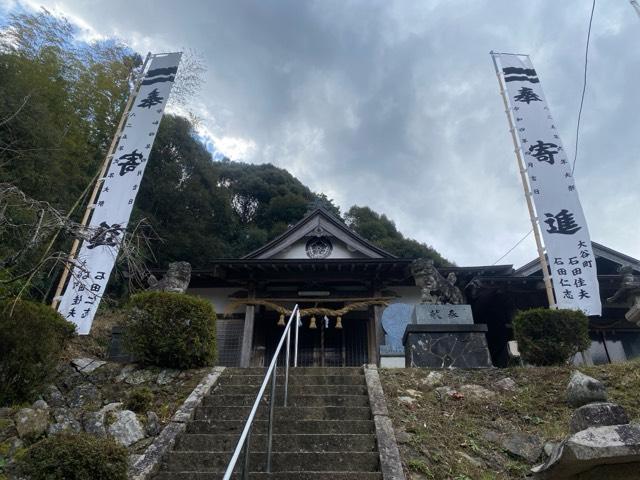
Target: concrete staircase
{"type": "Point", "coordinates": [326, 432]}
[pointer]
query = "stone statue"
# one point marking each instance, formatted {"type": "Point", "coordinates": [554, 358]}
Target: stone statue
{"type": "Point", "coordinates": [434, 288]}
{"type": "Point", "coordinates": [175, 280]}
{"type": "Point", "coordinates": [629, 292]}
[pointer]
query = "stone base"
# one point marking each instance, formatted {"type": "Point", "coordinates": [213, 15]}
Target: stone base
{"type": "Point", "coordinates": [446, 346]}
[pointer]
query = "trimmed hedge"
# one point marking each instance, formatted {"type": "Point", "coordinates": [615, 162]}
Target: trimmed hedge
{"type": "Point", "coordinates": [31, 342]}
{"type": "Point", "coordinates": [550, 337]}
{"type": "Point", "coordinates": [171, 330]}
{"type": "Point", "coordinates": [75, 456]}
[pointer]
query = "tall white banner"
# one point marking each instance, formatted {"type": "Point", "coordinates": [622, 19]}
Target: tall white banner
{"type": "Point", "coordinates": [113, 206]}
{"type": "Point", "coordinates": [552, 187]}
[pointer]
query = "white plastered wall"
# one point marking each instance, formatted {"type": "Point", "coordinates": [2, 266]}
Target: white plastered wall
{"type": "Point", "coordinates": [298, 250]}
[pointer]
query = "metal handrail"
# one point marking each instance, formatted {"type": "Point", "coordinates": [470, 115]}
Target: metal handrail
{"type": "Point", "coordinates": [245, 437]}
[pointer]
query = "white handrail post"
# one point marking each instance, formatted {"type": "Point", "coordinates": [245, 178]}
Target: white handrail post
{"type": "Point", "coordinates": [272, 404]}
{"type": "Point", "coordinates": [295, 347]}
{"type": "Point", "coordinates": [286, 366]}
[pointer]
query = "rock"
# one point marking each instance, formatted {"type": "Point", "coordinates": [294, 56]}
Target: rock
{"type": "Point", "coordinates": [402, 436]}
{"type": "Point", "coordinates": [68, 377]}
{"type": "Point", "coordinates": [549, 447]}
{"type": "Point", "coordinates": [31, 423]}
{"type": "Point", "coordinates": [506, 385]}
{"type": "Point", "coordinates": [54, 397]}
{"type": "Point", "coordinates": [597, 415]}
{"type": "Point", "coordinates": [583, 389]}
{"type": "Point", "coordinates": [40, 405]}
{"type": "Point", "coordinates": [93, 422]}
{"type": "Point", "coordinates": [443, 392]}
{"type": "Point", "coordinates": [125, 372]}
{"type": "Point", "coordinates": [86, 364]}
{"type": "Point", "coordinates": [476, 462]}
{"type": "Point", "coordinates": [523, 445]}
{"type": "Point", "coordinates": [477, 392]}
{"type": "Point", "coordinates": [518, 444]}
{"type": "Point", "coordinates": [407, 400]}
{"type": "Point", "coordinates": [413, 393]}
{"type": "Point", "coordinates": [599, 448]}
{"type": "Point", "coordinates": [126, 429]}
{"type": "Point", "coordinates": [166, 376]}
{"type": "Point", "coordinates": [153, 424]}
{"type": "Point", "coordinates": [434, 379]}
{"type": "Point", "coordinates": [139, 377]}
{"type": "Point", "coordinates": [65, 421]}
{"type": "Point", "coordinates": [84, 395]}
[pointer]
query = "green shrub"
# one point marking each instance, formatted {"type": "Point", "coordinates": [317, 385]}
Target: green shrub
{"type": "Point", "coordinates": [75, 456]}
{"type": "Point", "coordinates": [171, 330]}
{"type": "Point", "coordinates": [139, 400]}
{"type": "Point", "coordinates": [550, 337]}
{"type": "Point", "coordinates": [31, 342]}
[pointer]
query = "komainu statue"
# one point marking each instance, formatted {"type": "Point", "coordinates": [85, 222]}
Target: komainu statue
{"type": "Point", "coordinates": [629, 293]}
{"type": "Point", "coordinates": [434, 288]}
{"type": "Point", "coordinates": [175, 280]}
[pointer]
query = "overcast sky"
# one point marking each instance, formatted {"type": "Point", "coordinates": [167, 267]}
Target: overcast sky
{"type": "Point", "coordinates": [395, 104]}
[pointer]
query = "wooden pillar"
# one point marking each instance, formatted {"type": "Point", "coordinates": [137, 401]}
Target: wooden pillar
{"type": "Point", "coordinates": [247, 332]}
{"type": "Point", "coordinates": [247, 336]}
{"type": "Point", "coordinates": [376, 332]}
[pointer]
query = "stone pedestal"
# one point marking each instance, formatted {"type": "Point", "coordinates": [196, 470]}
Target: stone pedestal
{"type": "Point", "coordinates": [446, 346]}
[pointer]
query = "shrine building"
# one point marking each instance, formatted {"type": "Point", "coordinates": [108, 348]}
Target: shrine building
{"type": "Point", "coordinates": [342, 284]}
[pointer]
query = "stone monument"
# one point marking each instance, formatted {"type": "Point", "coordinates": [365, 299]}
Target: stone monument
{"type": "Point", "coordinates": [442, 333]}
{"type": "Point", "coordinates": [175, 280]}
{"type": "Point", "coordinates": [629, 293]}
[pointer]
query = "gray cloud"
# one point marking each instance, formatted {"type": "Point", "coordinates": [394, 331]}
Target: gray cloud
{"type": "Point", "coordinates": [395, 105]}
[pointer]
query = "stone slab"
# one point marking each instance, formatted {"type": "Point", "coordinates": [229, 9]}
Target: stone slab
{"type": "Point", "coordinates": [448, 346]}
{"type": "Point", "coordinates": [590, 449]}
{"type": "Point", "coordinates": [442, 314]}
{"type": "Point", "coordinates": [390, 463]}
{"type": "Point", "coordinates": [392, 361]}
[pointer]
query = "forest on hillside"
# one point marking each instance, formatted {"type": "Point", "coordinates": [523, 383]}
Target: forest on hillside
{"type": "Point", "coordinates": [60, 103]}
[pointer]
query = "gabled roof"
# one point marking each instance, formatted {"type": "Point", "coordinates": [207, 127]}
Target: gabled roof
{"type": "Point", "coordinates": [319, 220]}
{"type": "Point", "coordinates": [600, 251]}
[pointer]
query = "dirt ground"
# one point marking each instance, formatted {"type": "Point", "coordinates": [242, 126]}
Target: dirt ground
{"type": "Point", "coordinates": [454, 436]}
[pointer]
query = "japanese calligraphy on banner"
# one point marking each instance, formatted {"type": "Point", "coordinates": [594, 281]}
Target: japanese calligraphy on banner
{"type": "Point", "coordinates": [114, 203]}
{"type": "Point", "coordinates": [552, 187]}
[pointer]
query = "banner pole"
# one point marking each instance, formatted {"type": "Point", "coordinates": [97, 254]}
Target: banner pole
{"type": "Point", "coordinates": [527, 192]}
{"type": "Point", "coordinates": [96, 189]}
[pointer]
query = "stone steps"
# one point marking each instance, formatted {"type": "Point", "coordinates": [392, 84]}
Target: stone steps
{"type": "Point", "coordinates": [286, 426]}
{"type": "Point", "coordinates": [295, 380]}
{"type": "Point", "coordinates": [325, 432]}
{"type": "Point", "coordinates": [192, 475]}
{"type": "Point", "coordinates": [281, 442]}
{"type": "Point", "coordinates": [298, 413]}
{"type": "Point", "coordinates": [305, 389]}
{"type": "Point", "coordinates": [178, 461]}
{"type": "Point", "coordinates": [293, 400]}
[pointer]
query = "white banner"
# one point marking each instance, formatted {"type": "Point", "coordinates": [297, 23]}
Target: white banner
{"type": "Point", "coordinates": [113, 206]}
{"type": "Point", "coordinates": [552, 187]}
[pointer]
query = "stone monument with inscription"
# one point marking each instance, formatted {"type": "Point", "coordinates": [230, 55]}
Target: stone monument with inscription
{"type": "Point", "coordinates": [441, 333]}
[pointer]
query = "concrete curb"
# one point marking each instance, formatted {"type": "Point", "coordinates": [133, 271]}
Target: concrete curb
{"type": "Point", "coordinates": [145, 465]}
{"type": "Point", "coordinates": [390, 462]}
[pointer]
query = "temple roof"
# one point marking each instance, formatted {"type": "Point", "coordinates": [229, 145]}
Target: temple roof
{"type": "Point", "coordinates": [608, 261]}
{"type": "Point", "coordinates": [319, 224]}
